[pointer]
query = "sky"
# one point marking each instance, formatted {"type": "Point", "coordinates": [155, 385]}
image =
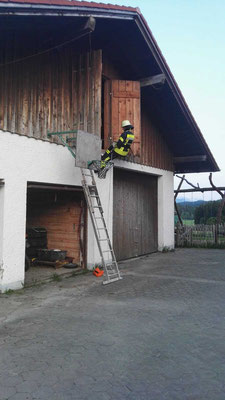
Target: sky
{"type": "Point", "coordinates": [191, 36]}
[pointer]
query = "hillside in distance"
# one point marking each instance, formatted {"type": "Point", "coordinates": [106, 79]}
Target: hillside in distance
{"type": "Point", "coordinates": [187, 208]}
{"type": "Point", "coordinates": [184, 201]}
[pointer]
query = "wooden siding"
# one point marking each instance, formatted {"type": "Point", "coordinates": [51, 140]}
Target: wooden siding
{"type": "Point", "coordinates": [122, 101]}
{"type": "Point", "coordinates": [52, 92]}
{"type": "Point", "coordinates": [109, 70]}
{"type": "Point", "coordinates": [154, 150]}
{"type": "Point", "coordinates": [135, 214]}
{"type": "Point", "coordinates": [60, 213]}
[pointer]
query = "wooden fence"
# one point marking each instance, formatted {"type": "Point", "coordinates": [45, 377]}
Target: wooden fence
{"type": "Point", "coordinates": [200, 236]}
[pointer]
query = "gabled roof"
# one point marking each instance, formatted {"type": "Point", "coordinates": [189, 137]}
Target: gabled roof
{"type": "Point", "coordinates": [170, 107]}
{"type": "Point", "coordinates": [73, 3]}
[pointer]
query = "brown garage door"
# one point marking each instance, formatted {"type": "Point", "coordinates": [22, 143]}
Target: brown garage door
{"type": "Point", "coordinates": [135, 214]}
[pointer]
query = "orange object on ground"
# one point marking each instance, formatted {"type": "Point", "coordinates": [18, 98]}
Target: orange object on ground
{"type": "Point", "coordinates": [98, 272]}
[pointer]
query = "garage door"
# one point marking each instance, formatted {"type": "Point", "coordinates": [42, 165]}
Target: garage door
{"type": "Point", "coordinates": [135, 214]}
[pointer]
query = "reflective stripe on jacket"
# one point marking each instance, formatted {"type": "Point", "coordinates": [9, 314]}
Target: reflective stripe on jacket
{"type": "Point", "coordinates": [123, 145]}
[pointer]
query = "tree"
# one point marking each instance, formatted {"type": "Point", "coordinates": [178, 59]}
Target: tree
{"type": "Point", "coordinates": [200, 216]}
{"type": "Point", "coordinates": [207, 212]}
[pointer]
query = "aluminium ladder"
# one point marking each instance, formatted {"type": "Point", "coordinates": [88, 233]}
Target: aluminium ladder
{"type": "Point", "coordinates": [108, 258]}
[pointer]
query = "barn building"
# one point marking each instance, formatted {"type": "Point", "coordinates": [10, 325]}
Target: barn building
{"type": "Point", "coordinates": [74, 65]}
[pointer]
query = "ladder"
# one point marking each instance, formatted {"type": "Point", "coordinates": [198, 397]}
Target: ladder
{"type": "Point", "coordinates": [111, 270]}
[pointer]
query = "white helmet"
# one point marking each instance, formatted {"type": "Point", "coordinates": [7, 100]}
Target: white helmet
{"type": "Point", "coordinates": [125, 123]}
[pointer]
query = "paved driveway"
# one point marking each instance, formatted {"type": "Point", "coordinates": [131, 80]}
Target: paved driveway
{"type": "Point", "coordinates": [159, 334]}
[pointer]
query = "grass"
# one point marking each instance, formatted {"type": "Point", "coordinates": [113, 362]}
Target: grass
{"type": "Point", "coordinates": [56, 278]}
{"type": "Point", "coordinates": [11, 291]}
{"type": "Point", "coordinates": [206, 245]}
{"type": "Point", "coordinates": [79, 272]}
{"type": "Point", "coordinates": [167, 250]}
{"type": "Point", "coordinates": [189, 222]}
{"type": "Point", "coordinates": [200, 236]}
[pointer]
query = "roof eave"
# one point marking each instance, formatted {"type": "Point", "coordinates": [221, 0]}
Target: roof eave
{"type": "Point", "coordinates": [147, 34]}
{"type": "Point", "coordinates": [19, 8]}
{"type": "Point", "coordinates": [178, 169]}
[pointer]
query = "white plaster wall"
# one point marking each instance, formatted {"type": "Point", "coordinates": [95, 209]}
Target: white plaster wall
{"type": "Point", "coordinates": [166, 211]}
{"type": "Point", "coordinates": [165, 201]}
{"type": "Point", "coordinates": [24, 159]}
{"type": "Point", "coordinates": [105, 189]}
{"type": "Point", "coordinates": [13, 234]}
{"type": "Point", "coordinates": [2, 192]}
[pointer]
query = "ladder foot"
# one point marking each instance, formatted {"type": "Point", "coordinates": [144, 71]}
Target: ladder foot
{"type": "Point", "coordinates": [112, 280]}
{"type": "Point", "coordinates": [111, 269]}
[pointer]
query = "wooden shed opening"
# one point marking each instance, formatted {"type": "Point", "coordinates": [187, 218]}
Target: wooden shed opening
{"type": "Point", "coordinates": [62, 213]}
{"type": "Point", "coordinates": [121, 102]}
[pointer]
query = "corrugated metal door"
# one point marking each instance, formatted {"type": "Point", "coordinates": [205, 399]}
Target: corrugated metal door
{"type": "Point", "coordinates": [135, 214]}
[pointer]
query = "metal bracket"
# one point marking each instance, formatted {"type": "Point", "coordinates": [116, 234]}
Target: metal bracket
{"type": "Point", "coordinates": [82, 145]}
{"type": "Point", "coordinates": [96, 166]}
{"type": "Point", "coordinates": [65, 142]}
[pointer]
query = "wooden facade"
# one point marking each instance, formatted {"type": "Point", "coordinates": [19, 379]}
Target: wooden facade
{"type": "Point", "coordinates": [62, 90]}
{"type": "Point", "coordinates": [150, 148]}
{"type": "Point", "coordinates": [54, 92]}
{"type": "Point", "coordinates": [154, 149]}
{"type": "Point", "coordinates": [122, 101]}
{"type": "Point", "coordinates": [61, 213]}
{"type": "Point", "coordinates": [135, 221]}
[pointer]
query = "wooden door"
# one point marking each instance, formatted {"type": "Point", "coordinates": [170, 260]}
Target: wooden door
{"type": "Point", "coordinates": [135, 218]}
{"type": "Point", "coordinates": [122, 101]}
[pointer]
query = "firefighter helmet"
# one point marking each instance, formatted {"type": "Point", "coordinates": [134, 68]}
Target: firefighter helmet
{"type": "Point", "coordinates": [126, 123]}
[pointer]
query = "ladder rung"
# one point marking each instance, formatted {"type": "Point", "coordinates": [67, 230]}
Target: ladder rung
{"type": "Point", "coordinates": [112, 280]}
{"type": "Point", "coordinates": [91, 192]}
{"type": "Point", "coordinates": [111, 271]}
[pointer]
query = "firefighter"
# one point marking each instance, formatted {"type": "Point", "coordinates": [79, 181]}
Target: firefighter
{"type": "Point", "coordinates": [122, 146]}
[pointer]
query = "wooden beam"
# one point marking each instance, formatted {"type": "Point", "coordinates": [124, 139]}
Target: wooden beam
{"type": "Point", "coordinates": [31, 185]}
{"type": "Point", "coordinates": [153, 80]}
{"type": "Point", "coordinates": [214, 186]}
{"type": "Point", "coordinates": [178, 214]}
{"type": "Point", "coordinates": [179, 186]}
{"type": "Point", "coordinates": [199, 190]}
{"type": "Point", "coordinates": [179, 160]}
{"type": "Point", "coordinates": [175, 196]}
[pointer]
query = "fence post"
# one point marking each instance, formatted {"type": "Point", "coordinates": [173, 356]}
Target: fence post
{"type": "Point", "coordinates": [216, 233]}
